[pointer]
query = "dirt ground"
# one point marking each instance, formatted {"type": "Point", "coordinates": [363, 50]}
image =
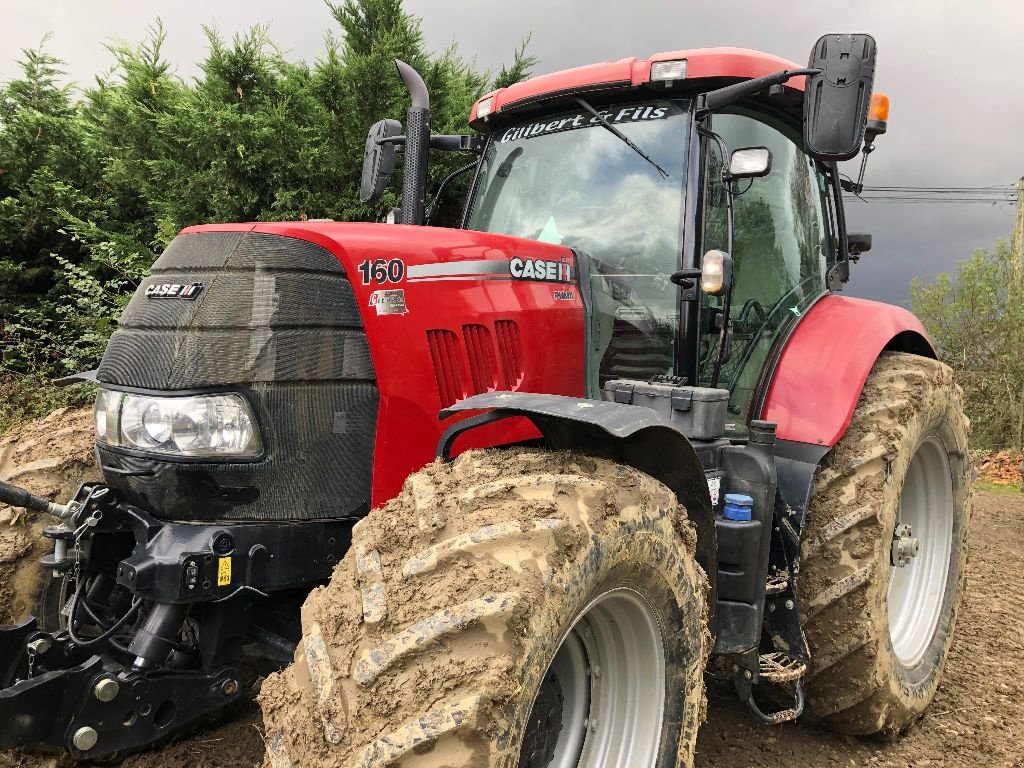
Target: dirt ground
{"type": "Point", "coordinates": [49, 457]}
{"type": "Point", "coordinates": [977, 717]}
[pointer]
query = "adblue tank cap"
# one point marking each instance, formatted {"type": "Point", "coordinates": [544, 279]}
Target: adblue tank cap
{"type": "Point", "coordinates": [738, 506]}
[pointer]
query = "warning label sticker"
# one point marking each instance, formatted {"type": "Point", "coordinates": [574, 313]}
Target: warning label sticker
{"type": "Point", "coordinates": [223, 571]}
{"type": "Point", "coordinates": [715, 488]}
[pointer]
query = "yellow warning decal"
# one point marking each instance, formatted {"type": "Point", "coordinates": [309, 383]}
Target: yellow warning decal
{"type": "Point", "coordinates": [224, 572]}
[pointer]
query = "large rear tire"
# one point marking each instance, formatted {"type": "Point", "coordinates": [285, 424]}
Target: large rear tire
{"type": "Point", "coordinates": [515, 608]}
{"type": "Point", "coordinates": [879, 632]}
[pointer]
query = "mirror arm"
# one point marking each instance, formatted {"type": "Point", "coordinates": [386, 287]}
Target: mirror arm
{"type": "Point", "coordinates": [463, 143]}
{"type": "Point", "coordinates": [466, 143]}
{"type": "Point", "coordinates": [712, 101]}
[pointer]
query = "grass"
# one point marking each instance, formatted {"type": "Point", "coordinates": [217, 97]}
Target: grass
{"type": "Point", "coordinates": [985, 485]}
{"type": "Point", "coordinates": [24, 397]}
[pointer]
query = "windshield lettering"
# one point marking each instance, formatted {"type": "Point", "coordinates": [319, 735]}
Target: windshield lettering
{"type": "Point", "coordinates": [630, 114]}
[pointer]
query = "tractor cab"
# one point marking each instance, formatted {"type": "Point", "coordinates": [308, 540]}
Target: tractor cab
{"type": "Point", "coordinates": [657, 171]}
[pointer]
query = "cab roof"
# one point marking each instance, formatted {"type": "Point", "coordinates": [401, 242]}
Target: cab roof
{"type": "Point", "coordinates": [721, 64]}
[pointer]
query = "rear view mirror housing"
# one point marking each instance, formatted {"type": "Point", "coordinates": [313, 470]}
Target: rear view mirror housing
{"type": "Point", "coordinates": [858, 243]}
{"type": "Point", "coordinates": [837, 98]}
{"type": "Point", "coordinates": [378, 159]}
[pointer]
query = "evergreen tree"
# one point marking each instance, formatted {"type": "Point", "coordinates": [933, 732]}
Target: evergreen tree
{"type": "Point", "coordinates": [93, 189]}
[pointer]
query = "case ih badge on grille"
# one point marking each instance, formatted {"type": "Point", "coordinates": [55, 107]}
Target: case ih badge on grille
{"type": "Point", "coordinates": [174, 291]}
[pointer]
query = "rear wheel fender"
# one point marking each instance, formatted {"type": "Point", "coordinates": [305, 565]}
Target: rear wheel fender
{"type": "Point", "coordinates": [819, 376]}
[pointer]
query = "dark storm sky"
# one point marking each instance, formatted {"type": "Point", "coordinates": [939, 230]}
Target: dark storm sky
{"type": "Point", "coordinates": [952, 69]}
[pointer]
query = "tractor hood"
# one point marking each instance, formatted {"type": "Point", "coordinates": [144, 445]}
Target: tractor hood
{"type": "Point", "coordinates": [345, 340]}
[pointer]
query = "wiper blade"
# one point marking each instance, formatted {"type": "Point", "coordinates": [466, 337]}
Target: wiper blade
{"type": "Point", "coordinates": [621, 136]}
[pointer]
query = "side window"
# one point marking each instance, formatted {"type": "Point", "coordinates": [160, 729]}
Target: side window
{"type": "Point", "coordinates": [782, 250]}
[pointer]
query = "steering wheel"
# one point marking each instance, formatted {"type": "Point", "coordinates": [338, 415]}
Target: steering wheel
{"type": "Point", "coordinates": [742, 324]}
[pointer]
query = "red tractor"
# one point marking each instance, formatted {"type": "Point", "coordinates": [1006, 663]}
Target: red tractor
{"type": "Point", "coordinates": [503, 494]}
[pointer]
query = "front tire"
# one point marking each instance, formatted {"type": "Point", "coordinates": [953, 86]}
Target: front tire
{"type": "Point", "coordinates": [879, 632]}
{"type": "Point", "coordinates": [518, 608]}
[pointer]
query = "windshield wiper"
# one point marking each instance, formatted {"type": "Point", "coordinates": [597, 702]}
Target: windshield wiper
{"type": "Point", "coordinates": [621, 136]}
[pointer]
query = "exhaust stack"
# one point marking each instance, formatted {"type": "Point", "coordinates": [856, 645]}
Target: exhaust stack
{"type": "Point", "coordinates": [417, 144]}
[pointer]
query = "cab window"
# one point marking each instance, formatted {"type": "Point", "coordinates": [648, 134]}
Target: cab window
{"type": "Point", "coordinates": [783, 247]}
{"type": "Point", "coordinates": [564, 179]}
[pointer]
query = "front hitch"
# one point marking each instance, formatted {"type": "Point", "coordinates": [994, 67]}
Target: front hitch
{"type": "Point", "coordinates": [97, 707]}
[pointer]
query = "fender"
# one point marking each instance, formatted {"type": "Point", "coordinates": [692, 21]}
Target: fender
{"type": "Point", "coordinates": [623, 433]}
{"type": "Point", "coordinates": [819, 376]}
{"type": "Point", "coordinates": [823, 367]}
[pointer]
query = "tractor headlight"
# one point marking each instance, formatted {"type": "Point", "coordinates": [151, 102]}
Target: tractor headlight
{"type": "Point", "coordinates": [203, 426]}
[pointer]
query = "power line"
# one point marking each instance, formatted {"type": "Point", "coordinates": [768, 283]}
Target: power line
{"type": "Point", "coordinates": [906, 194]}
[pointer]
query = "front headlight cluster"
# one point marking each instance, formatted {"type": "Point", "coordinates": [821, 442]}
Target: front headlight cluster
{"type": "Point", "coordinates": [204, 426]}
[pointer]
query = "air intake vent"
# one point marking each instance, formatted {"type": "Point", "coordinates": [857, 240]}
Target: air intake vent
{"type": "Point", "coordinates": [480, 350]}
{"type": "Point", "coordinates": [444, 354]}
{"type": "Point", "coordinates": [509, 352]}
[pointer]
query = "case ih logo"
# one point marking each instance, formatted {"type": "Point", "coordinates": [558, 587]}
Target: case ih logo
{"type": "Point", "coordinates": [540, 269]}
{"type": "Point", "coordinates": [173, 291]}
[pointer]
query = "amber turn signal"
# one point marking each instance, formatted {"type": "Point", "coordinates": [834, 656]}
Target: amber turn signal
{"type": "Point", "coordinates": [879, 109]}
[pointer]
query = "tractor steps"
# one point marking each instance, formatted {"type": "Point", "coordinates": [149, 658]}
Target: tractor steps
{"type": "Point", "coordinates": [777, 667]}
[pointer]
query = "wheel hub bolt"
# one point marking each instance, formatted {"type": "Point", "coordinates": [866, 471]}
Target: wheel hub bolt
{"type": "Point", "coordinates": [106, 689]}
{"type": "Point", "coordinates": [904, 545]}
{"type": "Point", "coordinates": [84, 738]}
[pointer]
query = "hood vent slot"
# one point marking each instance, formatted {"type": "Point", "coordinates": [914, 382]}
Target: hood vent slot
{"type": "Point", "coordinates": [510, 352]}
{"type": "Point", "coordinates": [477, 364]}
{"type": "Point", "coordinates": [447, 360]}
{"type": "Point", "coordinates": [480, 351]}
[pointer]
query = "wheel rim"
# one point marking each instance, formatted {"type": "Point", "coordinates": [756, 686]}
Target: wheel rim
{"type": "Point", "coordinates": [917, 590]}
{"type": "Point", "coordinates": [609, 677]}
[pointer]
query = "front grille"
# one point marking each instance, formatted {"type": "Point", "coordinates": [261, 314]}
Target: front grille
{"type": "Point", "coordinates": [277, 320]}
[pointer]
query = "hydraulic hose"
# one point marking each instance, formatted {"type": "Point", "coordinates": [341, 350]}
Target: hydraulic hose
{"type": "Point", "coordinates": [76, 599]}
{"type": "Point", "coordinates": [19, 497]}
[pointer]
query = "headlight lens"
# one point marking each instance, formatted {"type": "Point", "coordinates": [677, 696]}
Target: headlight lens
{"type": "Point", "coordinates": [200, 426]}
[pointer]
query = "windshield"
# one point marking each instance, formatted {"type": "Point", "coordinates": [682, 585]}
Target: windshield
{"type": "Point", "coordinates": [566, 179]}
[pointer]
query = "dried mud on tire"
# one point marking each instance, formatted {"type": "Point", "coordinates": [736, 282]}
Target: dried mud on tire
{"type": "Point", "coordinates": [428, 645]}
{"type": "Point", "coordinates": [858, 684]}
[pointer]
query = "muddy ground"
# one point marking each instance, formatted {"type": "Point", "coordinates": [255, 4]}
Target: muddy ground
{"type": "Point", "coordinates": [977, 717]}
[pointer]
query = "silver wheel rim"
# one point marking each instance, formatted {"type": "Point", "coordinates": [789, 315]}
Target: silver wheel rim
{"type": "Point", "coordinates": [917, 591]}
{"type": "Point", "coordinates": [610, 668]}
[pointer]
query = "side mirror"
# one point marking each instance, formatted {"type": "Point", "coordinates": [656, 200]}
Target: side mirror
{"type": "Point", "coordinates": [836, 100]}
{"type": "Point", "coordinates": [378, 159]}
{"type": "Point", "coordinates": [750, 163]}
{"type": "Point", "coordinates": [858, 243]}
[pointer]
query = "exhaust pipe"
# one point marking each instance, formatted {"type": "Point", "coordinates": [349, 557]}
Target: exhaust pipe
{"type": "Point", "coordinates": [417, 145]}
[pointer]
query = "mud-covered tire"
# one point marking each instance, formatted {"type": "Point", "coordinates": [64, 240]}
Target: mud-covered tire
{"type": "Point", "coordinates": [433, 638]}
{"type": "Point", "coordinates": [859, 684]}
